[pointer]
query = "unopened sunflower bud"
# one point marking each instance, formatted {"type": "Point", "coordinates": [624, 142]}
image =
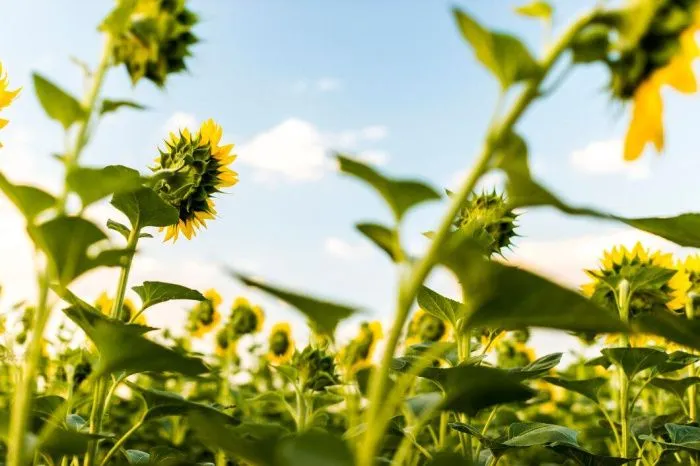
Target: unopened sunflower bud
{"type": "Point", "coordinates": [487, 217]}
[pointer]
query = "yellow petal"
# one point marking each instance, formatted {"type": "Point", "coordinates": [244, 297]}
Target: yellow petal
{"type": "Point", "coordinates": [647, 121]}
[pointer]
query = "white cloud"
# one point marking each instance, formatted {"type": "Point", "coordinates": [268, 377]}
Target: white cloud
{"type": "Point", "coordinates": [180, 120]}
{"type": "Point", "coordinates": [341, 249]}
{"type": "Point", "coordinates": [320, 85]}
{"type": "Point", "coordinates": [296, 150]}
{"type": "Point", "coordinates": [374, 157]}
{"type": "Point", "coordinates": [605, 158]}
{"type": "Point", "coordinates": [495, 179]}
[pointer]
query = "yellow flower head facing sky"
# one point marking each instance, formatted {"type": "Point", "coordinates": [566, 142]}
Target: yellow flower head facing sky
{"type": "Point", "coordinates": [280, 343]}
{"type": "Point", "coordinates": [646, 124]}
{"type": "Point", "coordinates": [190, 172]}
{"type": "Point", "coordinates": [647, 273]}
{"type": "Point", "coordinates": [6, 95]}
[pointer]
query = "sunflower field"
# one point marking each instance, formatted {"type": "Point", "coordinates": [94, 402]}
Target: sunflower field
{"type": "Point", "coordinates": [453, 380]}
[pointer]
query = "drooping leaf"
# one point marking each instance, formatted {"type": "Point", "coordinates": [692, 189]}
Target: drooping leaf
{"type": "Point", "coordinates": [680, 436]}
{"type": "Point", "coordinates": [536, 9]}
{"type": "Point", "coordinates": [538, 367]}
{"type": "Point", "coordinates": [676, 361]}
{"type": "Point", "coordinates": [313, 448]}
{"type": "Point", "coordinates": [469, 389]}
{"type": "Point", "coordinates": [93, 184]}
{"type": "Point", "coordinates": [401, 195]}
{"type": "Point", "coordinates": [510, 298]}
{"type": "Point", "coordinates": [57, 103]}
{"type": "Point", "coordinates": [654, 425]}
{"type": "Point", "coordinates": [109, 106]}
{"type": "Point", "coordinates": [586, 458]}
{"type": "Point", "coordinates": [145, 208]}
{"type": "Point", "coordinates": [677, 329]}
{"type": "Point", "coordinates": [384, 238]}
{"type": "Point", "coordinates": [586, 387]}
{"type": "Point", "coordinates": [29, 200]}
{"type": "Point", "coordinates": [119, 228]}
{"type": "Point", "coordinates": [528, 434]}
{"type": "Point", "coordinates": [152, 293]}
{"type": "Point", "coordinates": [438, 305]}
{"type": "Point", "coordinates": [635, 360]}
{"type": "Point", "coordinates": [324, 315]}
{"type": "Point", "coordinates": [502, 54]}
{"type": "Point", "coordinates": [161, 403]}
{"type": "Point", "coordinates": [66, 242]}
{"type": "Point", "coordinates": [676, 386]}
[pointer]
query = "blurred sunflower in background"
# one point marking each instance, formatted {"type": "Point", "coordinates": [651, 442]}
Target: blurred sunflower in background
{"type": "Point", "coordinates": [426, 328]}
{"type": "Point", "coordinates": [245, 318]}
{"type": "Point", "coordinates": [648, 275]}
{"type": "Point", "coordinates": [686, 282]}
{"type": "Point", "coordinates": [104, 304]}
{"type": "Point", "coordinates": [280, 344]}
{"type": "Point", "coordinates": [359, 352]}
{"type": "Point", "coordinates": [6, 95]}
{"type": "Point", "coordinates": [205, 315]}
{"type": "Point", "coordinates": [191, 170]}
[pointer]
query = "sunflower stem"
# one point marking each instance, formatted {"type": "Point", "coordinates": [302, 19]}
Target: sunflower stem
{"type": "Point", "coordinates": [623, 300]}
{"type": "Point", "coordinates": [692, 390]}
{"type": "Point", "coordinates": [416, 275]}
{"type": "Point", "coordinates": [224, 395]}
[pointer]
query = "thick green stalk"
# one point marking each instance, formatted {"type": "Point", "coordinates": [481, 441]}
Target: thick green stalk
{"type": "Point", "coordinates": [417, 274]}
{"type": "Point", "coordinates": [22, 403]}
{"type": "Point", "coordinates": [692, 391]}
{"type": "Point", "coordinates": [99, 397]}
{"type": "Point", "coordinates": [623, 299]}
{"type": "Point", "coordinates": [224, 395]}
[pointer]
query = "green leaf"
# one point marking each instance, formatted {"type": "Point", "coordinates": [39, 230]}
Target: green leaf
{"type": "Point", "coordinates": [536, 9]}
{"type": "Point", "coordinates": [502, 54]}
{"type": "Point", "coordinates": [161, 404]}
{"type": "Point", "coordinates": [401, 195]}
{"type": "Point", "coordinates": [510, 298]}
{"type": "Point", "coordinates": [324, 315]}
{"type": "Point", "coordinates": [313, 448]}
{"type": "Point", "coordinates": [93, 184]}
{"type": "Point", "coordinates": [385, 238]}
{"type": "Point", "coordinates": [676, 361]}
{"type": "Point", "coordinates": [585, 387]}
{"type": "Point", "coordinates": [423, 403]}
{"type": "Point", "coordinates": [669, 326]}
{"type": "Point", "coordinates": [683, 230]}
{"type": "Point", "coordinates": [538, 367]}
{"type": "Point", "coordinates": [528, 434]}
{"type": "Point", "coordinates": [137, 457]}
{"type": "Point", "coordinates": [445, 458]}
{"type": "Point", "coordinates": [586, 458]}
{"type": "Point", "coordinates": [114, 105]}
{"type": "Point", "coordinates": [635, 360]}
{"type": "Point", "coordinates": [438, 305]}
{"type": "Point", "coordinates": [145, 208]}
{"type": "Point", "coordinates": [29, 200]}
{"type": "Point", "coordinates": [676, 386]}
{"type": "Point", "coordinates": [683, 437]}
{"type": "Point", "coordinates": [152, 293]}
{"type": "Point", "coordinates": [57, 103]}
{"type": "Point", "coordinates": [119, 228]}
{"type": "Point", "coordinates": [66, 241]}
{"type": "Point", "coordinates": [118, 19]}
{"type": "Point", "coordinates": [469, 389]}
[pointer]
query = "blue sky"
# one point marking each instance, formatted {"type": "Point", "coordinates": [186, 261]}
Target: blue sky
{"type": "Point", "coordinates": [391, 81]}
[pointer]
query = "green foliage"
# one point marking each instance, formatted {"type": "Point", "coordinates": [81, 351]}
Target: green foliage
{"type": "Point", "coordinates": [28, 200]}
{"type": "Point", "coordinates": [93, 184]}
{"type": "Point", "coordinates": [152, 293]}
{"type": "Point", "coordinates": [109, 106]}
{"type": "Point", "coordinates": [57, 103]}
{"type": "Point", "coordinates": [144, 208]}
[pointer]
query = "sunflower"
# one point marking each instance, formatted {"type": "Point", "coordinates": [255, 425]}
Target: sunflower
{"type": "Point", "coordinates": [359, 352]}
{"type": "Point", "coordinates": [488, 218]}
{"type": "Point", "coordinates": [648, 275]}
{"type": "Point", "coordinates": [104, 303]}
{"type": "Point", "coordinates": [224, 342]}
{"type": "Point", "coordinates": [426, 328]}
{"type": "Point", "coordinates": [204, 316]}
{"type": "Point", "coordinates": [281, 344]}
{"type": "Point", "coordinates": [6, 96]}
{"type": "Point", "coordinates": [245, 318]}
{"type": "Point", "coordinates": [685, 281]}
{"type": "Point", "coordinates": [192, 169]}
{"type": "Point", "coordinates": [662, 56]}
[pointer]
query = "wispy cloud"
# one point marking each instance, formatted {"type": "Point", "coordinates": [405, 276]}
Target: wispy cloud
{"type": "Point", "coordinates": [605, 158]}
{"type": "Point", "coordinates": [321, 85]}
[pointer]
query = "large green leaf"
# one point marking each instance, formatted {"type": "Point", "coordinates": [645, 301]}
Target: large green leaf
{"type": "Point", "coordinates": [538, 367]}
{"type": "Point", "coordinates": [511, 298]}
{"type": "Point", "coordinates": [57, 103]}
{"type": "Point", "coordinates": [161, 403]}
{"type": "Point", "coordinates": [401, 195]}
{"type": "Point", "coordinates": [586, 387]}
{"type": "Point", "coordinates": [93, 184]}
{"type": "Point", "coordinates": [676, 386]}
{"type": "Point", "coordinates": [384, 238]}
{"type": "Point", "coordinates": [152, 293]}
{"type": "Point", "coordinates": [669, 326]}
{"type": "Point", "coordinates": [586, 458]}
{"type": "Point", "coordinates": [528, 434]}
{"type": "Point", "coordinates": [502, 54]}
{"type": "Point", "coordinates": [323, 315]}
{"type": "Point", "coordinates": [635, 360]}
{"type": "Point", "coordinates": [680, 436]}
{"type": "Point", "coordinates": [676, 361]}
{"type": "Point", "coordinates": [438, 305]}
{"type": "Point", "coordinates": [145, 208]}
{"type": "Point", "coordinates": [29, 200]}
{"type": "Point", "coordinates": [469, 389]}
{"type": "Point", "coordinates": [67, 241]}
{"type": "Point", "coordinates": [313, 448]}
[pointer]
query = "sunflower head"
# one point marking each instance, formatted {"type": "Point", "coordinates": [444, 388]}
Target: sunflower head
{"type": "Point", "coordinates": [104, 303]}
{"type": "Point", "coordinates": [426, 328]}
{"type": "Point", "coordinates": [157, 40]}
{"type": "Point", "coordinates": [189, 172]}
{"type": "Point", "coordinates": [225, 343]}
{"type": "Point", "coordinates": [6, 95]}
{"type": "Point", "coordinates": [487, 217]}
{"type": "Point", "coordinates": [316, 369]}
{"type": "Point", "coordinates": [358, 353]}
{"type": "Point", "coordinates": [647, 276]}
{"type": "Point", "coordinates": [281, 344]}
{"type": "Point", "coordinates": [205, 315]}
{"type": "Point", "coordinates": [685, 283]}
{"type": "Point", "coordinates": [245, 318]}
